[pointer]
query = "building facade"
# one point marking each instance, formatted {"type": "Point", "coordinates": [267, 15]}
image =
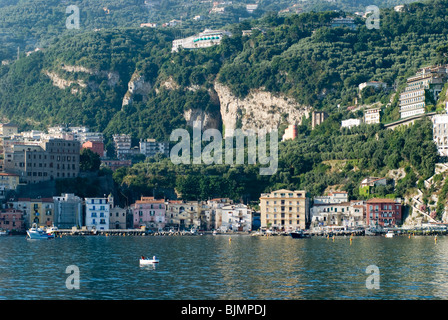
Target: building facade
{"type": "Point", "coordinates": [383, 212]}
{"type": "Point", "coordinates": [97, 213]}
{"type": "Point", "coordinates": [237, 217]}
{"type": "Point", "coordinates": [52, 159]}
{"type": "Point", "coordinates": [94, 146]}
{"type": "Point", "coordinates": [12, 220]}
{"type": "Point", "coordinates": [440, 133]}
{"type": "Point", "coordinates": [422, 89]}
{"type": "Point", "coordinates": [150, 213]}
{"type": "Point", "coordinates": [284, 210]}
{"type": "Point", "coordinates": [68, 211]}
{"type": "Point", "coordinates": [205, 39]}
{"type": "Point", "coordinates": [151, 147]}
{"type": "Point", "coordinates": [372, 115]}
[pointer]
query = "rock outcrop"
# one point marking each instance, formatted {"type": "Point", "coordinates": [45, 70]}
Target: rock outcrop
{"type": "Point", "coordinates": [137, 86]}
{"type": "Point", "coordinates": [259, 110]}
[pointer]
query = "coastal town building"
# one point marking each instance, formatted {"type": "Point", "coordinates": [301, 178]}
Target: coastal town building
{"type": "Point", "coordinates": [372, 115]}
{"type": "Point", "coordinates": [374, 84]}
{"type": "Point", "coordinates": [12, 220]}
{"type": "Point", "coordinates": [122, 143]}
{"type": "Point", "coordinates": [440, 133]}
{"type": "Point", "coordinates": [347, 22]}
{"type": "Point", "coordinates": [236, 217]}
{"type": "Point", "coordinates": [337, 213]}
{"type": "Point", "coordinates": [52, 159]}
{"type": "Point", "coordinates": [332, 197]}
{"type": "Point", "coordinates": [115, 164]}
{"type": "Point", "coordinates": [421, 90]}
{"type": "Point", "coordinates": [149, 213]}
{"type": "Point", "coordinates": [97, 213]}
{"type": "Point", "coordinates": [95, 146]}
{"type": "Point", "coordinates": [8, 129]}
{"type": "Point", "coordinates": [68, 211]}
{"type": "Point", "coordinates": [290, 132]}
{"type": "Point", "coordinates": [120, 218]}
{"type": "Point", "coordinates": [367, 185]}
{"type": "Point", "coordinates": [284, 210]}
{"type": "Point", "coordinates": [383, 212]}
{"type": "Point", "coordinates": [205, 39]}
{"type": "Point", "coordinates": [350, 123]}
{"type": "Point", "coordinates": [215, 206]}
{"type": "Point", "coordinates": [39, 211]}
{"type": "Point", "coordinates": [151, 147]}
{"type": "Point", "coordinates": [9, 181]}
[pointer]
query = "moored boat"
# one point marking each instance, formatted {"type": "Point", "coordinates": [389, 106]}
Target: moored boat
{"type": "Point", "coordinates": [390, 234]}
{"type": "Point", "coordinates": [38, 233]}
{"type": "Point", "coordinates": [299, 234]}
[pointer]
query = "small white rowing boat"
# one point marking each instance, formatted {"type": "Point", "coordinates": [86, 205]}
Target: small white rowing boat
{"type": "Point", "coordinates": [144, 261]}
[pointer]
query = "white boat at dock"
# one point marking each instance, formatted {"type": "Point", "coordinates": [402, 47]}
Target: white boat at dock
{"type": "Point", "coordinates": [38, 233]}
{"type": "Point", "coordinates": [390, 234]}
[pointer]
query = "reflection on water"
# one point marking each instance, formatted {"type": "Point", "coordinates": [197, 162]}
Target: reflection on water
{"type": "Point", "coordinates": [206, 267]}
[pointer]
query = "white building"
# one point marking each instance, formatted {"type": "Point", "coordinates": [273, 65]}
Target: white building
{"type": "Point", "coordinates": [333, 197]}
{"type": "Point", "coordinates": [151, 147]}
{"type": "Point", "coordinates": [97, 213]}
{"type": "Point", "coordinates": [343, 215]}
{"type": "Point", "coordinates": [349, 123]}
{"type": "Point", "coordinates": [428, 82]}
{"type": "Point", "coordinates": [440, 133]}
{"type": "Point", "coordinates": [251, 7]}
{"type": "Point", "coordinates": [372, 115]}
{"type": "Point", "coordinates": [375, 84]}
{"type": "Point", "coordinates": [236, 217]}
{"type": "Point", "coordinates": [204, 39]}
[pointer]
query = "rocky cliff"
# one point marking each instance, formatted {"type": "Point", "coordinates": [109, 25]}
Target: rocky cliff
{"type": "Point", "coordinates": [260, 109]}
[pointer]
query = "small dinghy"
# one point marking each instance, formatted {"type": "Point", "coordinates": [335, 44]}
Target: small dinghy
{"type": "Point", "coordinates": [144, 261]}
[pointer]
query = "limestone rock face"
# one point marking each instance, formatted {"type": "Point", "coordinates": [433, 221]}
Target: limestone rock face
{"type": "Point", "coordinates": [207, 120]}
{"type": "Point", "coordinates": [137, 86]}
{"type": "Point", "coordinates": [259, 110]}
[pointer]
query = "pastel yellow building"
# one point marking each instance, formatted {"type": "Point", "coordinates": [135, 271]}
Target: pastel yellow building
{"type": "Point", "coordinates": [39, 211]}
{"type": "Point", "coordinates": [284, 210]}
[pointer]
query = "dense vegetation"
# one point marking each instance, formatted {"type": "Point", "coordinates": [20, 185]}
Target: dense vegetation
{"type": "Point", "coordinates": [27, 24]}
{"type": "Point", "coordinates": [311, 162]}
{"type": "Point", "coordinates": [301, 56]}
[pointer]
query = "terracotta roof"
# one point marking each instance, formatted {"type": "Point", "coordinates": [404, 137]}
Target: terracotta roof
{"type": "Point", "coordinates": [381, 200]}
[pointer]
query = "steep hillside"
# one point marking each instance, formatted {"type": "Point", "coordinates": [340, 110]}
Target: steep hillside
{"type": "Point", "coordinates": [128, 80]}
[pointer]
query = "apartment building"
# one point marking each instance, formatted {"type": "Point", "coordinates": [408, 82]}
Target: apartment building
{"type": "Point", "coordinates": [284, 210]}
{"type": "Point", "coordinates": [205, 39]}
{"type": "Point", "coordinates": [440, 133]}
{"type": "Point", "coordinates": [236, 217]}
{"type": "Point", "coordinates": [149, 212]}
{"type": "Point", "coordinates": [383, 212]}
{"type": "Point", "coordinates": [422, 89]}
{"type": "Point", "coordinates": [52, 159]}
{"type": "Point", "coordinates": [97, 213]}
{"type": "Point", "coordinates": [372, 115]}
{"type": "Point", "coordinates": [151, 147]}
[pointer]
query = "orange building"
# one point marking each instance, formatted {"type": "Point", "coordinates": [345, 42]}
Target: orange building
{"type": "Point", "coordinates": [95, 146]}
